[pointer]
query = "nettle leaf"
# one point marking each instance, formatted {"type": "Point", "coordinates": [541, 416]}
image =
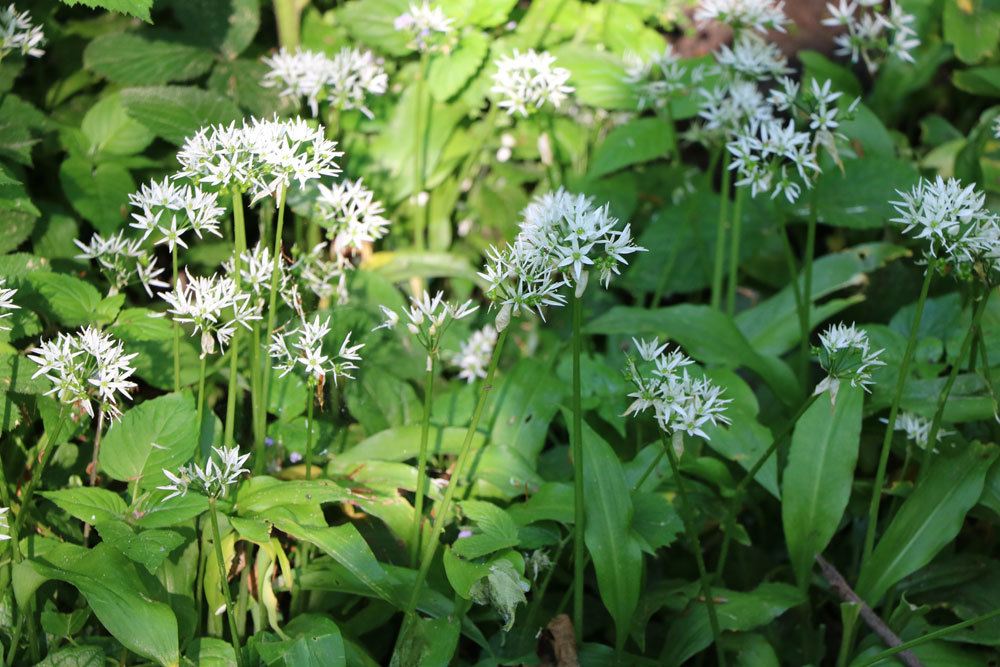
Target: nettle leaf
{"type": "Point", "coordinates": [227, 27]}
{"type": "Point", "coordinates": [122, 599]}
{"type": "Point", "coordinates": [450, 72]}
{"type": "Point", "coordinates": [137, 8]}
{"type": "Point", "coordinates": [495, 530]}
{"type": "Point", "coordinates": [929, 519]}
{"type": "Point", "coordinates": [77, 656]}
{"type": "Point", "coordinates": [112, 131]}
{"type": "Point", "coordinates": [148, 62]}
{"type": "Point", "coordinates": [89, 504]}
{"type": "Point", "coordinates": [68, 300]}
{"type": "Point", "coordinates": [176, 112]}
{"type": "Point", "coordinates": [98, 192]}
{"type": "Point", "coordinates": [599, 77]}
{"type": "Point", "coordinates": [161, 433]}
{"type": "Point", "coordinates": [819, 474]}
{"type": "Point", "coordinates": [635, 142]}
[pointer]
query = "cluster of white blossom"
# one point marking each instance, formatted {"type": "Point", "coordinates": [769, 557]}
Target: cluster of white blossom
{"type": "Point", "coordinates": [262, 157]}
{"type": "Point", "coordinates": [954, 220]}
{"type": "Point", "coordinates": [85, 367]}
{"type": "Point", "coordinates": [345, 81]}
{"type": "Point", "coordinates": [4, 526]}
{"type": "Point", "coordinates": [845, 354]}
{"type": "Point", "coordinates": [303, 346]}
{"type": "Point", "coordinates": [214, 306]}
{"type": "Point", "coordinates": [213, 479]}
{"type": "Point", "coordinates": [517, 283]}
{"type": "Point", "coordinates": [428, 27]}
{"type": "Point", "coordinates": [526, 82]}
{"type": "Point", "coordinates": [19, 34]}
{"type": "Point", "coordinates": [680, 403]}
{"type": "Point", "coordinates": [726, 109]}
{"type": "Point", "coordinates": [172, 209]}
{"type": "Point", "coordinates": [256, 269]}
{"type": "Point", "coordinates": [752, 58]}
{"type": "Point", "coordinates": [917, 428]}
{"type": "Point", "coordinates": [350, 214]}
{"type": "Point", "coordinates": [123, 260]}
{"type": "Point", "coordinates": [474, 356]}
{"type": "Point", "coordinates": [322, 273]}
{"type": "Point", "coordinates": [780, 154]}
{"type": "Point", "coordinates": [427, 319]}
{"type": "Point", "coordinates": [870, 34]}
{"type": "Point", "coordinates": [759, 15]}
{"type": "Point", "coordinates": [660, 77]}
{"type": "Point", "coordinates": [6, 302]}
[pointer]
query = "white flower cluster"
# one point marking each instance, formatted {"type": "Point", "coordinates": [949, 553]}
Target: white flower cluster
{"type": "Point", "coordinates": [428, 27]}
{"type": "Point", "coordinates": [759, 15]}
{"type": "Point", "coordinates": [726, 109]}
{"type": "Point", "coordinates": [659, 78]}
{"type": "Point", "coordinates": [19, 34]}
{"type": "Point", "coordinates": [345, 81]}
{"type": "Point", "coordinates": [4, 526]}
{"type": "Point", "coordinates": [122, 260]}
{"type": "Point", "coordinates": [845, 354]}
{"type": "Point", "coordinates": [777, 155]}
{"type": "Point", "coordinates": [214, 305]}
{"type": "Point", "coordinates": [475, 354]}
{"type": "Point", "coordinates": [321, 276]}
{"type": "Point", "coordinates": [752, 58]}
{"type": "Point", "coordinates": [256, 269]}
{"type": "Point", "coordinates": [562, 238]}
{"type": "Point", "coordinates": [870, 34]}
{"type": "Point", "coordinates": [351, 215]}
{"type": "Point", "coordinates": [526, 82]}
{"type": "Point", "coordinates": [262, 157]}
{"type": "Point", "coordinates": [84, 367]}
{"type": "Point", "coordinates": [955, 222]}
{"type": "Point", "coordinates": [917, 428]}
{"type": "Point", "coordinates": [680, 403]}
{"type": "Point", "coordinates": [213, 479]}
{"type": "Point", "coordinates": [171, 210]}
{"type": "Point", "coordinates": [6, 302]}
{"type": "Point", "coordinates": [427, 320]}
{"type": "Point", "coordinates": [304, 346]}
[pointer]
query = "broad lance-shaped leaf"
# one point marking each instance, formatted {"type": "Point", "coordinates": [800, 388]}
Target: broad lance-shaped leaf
{"type": "Point", "coordinates": [616, 554]}
{"type": "Point", "coordinates": [819, 474]}
{"type": "Point", "coordinates": [122, 599]}
{"type": "Point", "coordinates": [929, 519]}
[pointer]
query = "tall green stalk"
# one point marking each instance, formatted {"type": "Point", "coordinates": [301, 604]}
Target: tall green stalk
{"type": "Point", "coordinates": [177, 328]}
{"type": "Point", "coordinates": [272, 300]}
{"type": "Point", "coordinates": [807, 280]}
{"type": "Point", "coordinates": [929, 637]}
{"type": "Point", "coordinates": [729, 524]}
{"type": "Point", "coordinates": [240, 240]}
{"type": "Point", "coordinates": [720, 233]}
{"type": "Point", "coordinates": [32, 485]}
{"type": "Point", "coordinates": [441, 515]}
{"type": "Point", "coordinates": [201, 402]}
{"type": "Point", "coordinates": [418, 506]}
{"type": "Point", "coordinates": [227, 596]}
{"type": "Point", "coordinates": [692, 534]}
{"type": "Point", "coordinates": [420, 150]}
{"type": "Point", "coordinates": [734, 252]}
{"type": "Point", "coordinates": [255, 404]}
{"type": "Point", "coordinates": [579, 525]}
{"type": "Point", "coordinates": [890, 427]}
{"type": "Point", "coordinates": [310, 426]}
{"type": "Point", "coordinates": [935, 429]}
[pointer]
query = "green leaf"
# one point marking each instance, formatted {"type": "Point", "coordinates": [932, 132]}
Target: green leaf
{"type": "Point", "coordinates": [401, 265]}
{"type": "Point", "coordinates": [522, 407]}
{"type": "Point", "coordinates": [552, 502]}
{"type": "Point", "coordinates": [635, 142]}
{"type": "Point", "coordinates": [137, 8]}
{"type": "Point", "coordinates": [122, 600]}
{"type": "Point", "coordinates": [428, 641]}
{"type": "Point", "coordinates": [306, 651]}
{"type": "Point", "coordinates": [929, 519]}
{"type": "Point", "coordinates": [371, 22]}
{"type": "Point", "coordinates": [70, 301]}
{"type": "Point", "coordinates": [176, 112]}
{"type": "Point", "coordinates": [737, 611]}
{"type": "Point", "coordinates": [819, 474]}
{"type": "Point", "coordinates": [599, 77]}
{"type": "Point", "coordinates": [819, 67]}
{"type": "Point", "coordinates": [490, 14]}
{"type": "Point", "coordinates": [174, 512]}
{"type": "Point", "coordinates": [99, 193]}
{"type": "Point", "coordinates": [856, 197]}
{"type": "Point", "coordinates": [227, 27]}
{"type": "Point", "coordinates": [161, 433]}
{"type": "Point", "coordinates": [89, 504]}
{"type": "Point", "coordinates": [138, 324]}
{"type": "Point", "coordinates": [262, 493]}
{"type": "Point", "coordinates": [110, 129]}
{"type": "Point", "coordinates": [615, 552]}
{"type": "Point", "coordinates": [971, 28]}
{"type": "Point", "coordinates": [379, 400]}
{"type": "Point", "coordinates": [403, 443]}
{"type": "Point", "coordinates": [496, 530]}
{"type": "Point", "coordinates": [149, 62]}
{"type": "Point", "coordinates": [984, 81]}
{"type": "Point", "coordinates": [77, 656]}
{"type": "Point", "coordinates": [146, 547]}
{"type": "Point", "coordinates": [342, 543]}
{"type": "Point", "coordinates": [450, 72]}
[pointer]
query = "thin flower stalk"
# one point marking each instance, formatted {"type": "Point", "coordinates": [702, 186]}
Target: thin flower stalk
{"type": "Point", "coordinates": [579, 514]}
{"type": "Point", "coordinates": [897, 396]}
{"type": "Point", "coordinates": [220, 562]}
{"type": "Point", "coordinates": [240, 243]}
{"type": "Point", "coordinates": [721, 229]}
{"type": "Point", "coordinates": [48, 449]}
{"type": "Point", "coordinates": [734, 253]}
{"type": "Point", "coordinates": [805, 324]}
{"type": "Point", "coordinates": [419, 498]}
{"type": "Point", "coordinates": [272, 302]}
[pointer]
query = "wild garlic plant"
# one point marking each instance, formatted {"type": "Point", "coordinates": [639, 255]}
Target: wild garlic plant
{"type": "Point", "coordinates": [344, 82]}
{"type": "Point", "coordinates": [7, 305]}
{"type": "Point", "coordinates": [123, 261]}
{"type": "Point", "coordinates": [18, 34]}
{"type": "Point", "coordinates": [871, 33]}
{"type": "Point", "coordinates": [474, 355]}
{"type": "Point", "coordinates": [213, 480]}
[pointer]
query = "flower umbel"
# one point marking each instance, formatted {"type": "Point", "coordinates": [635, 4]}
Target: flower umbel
{"type": "Point", "coordinates": [214, 306]}
{"type": "Point", "coordinates": [845, 354]}
{"type": "Point", "coordinates": [428, 27]}
{"type": "Point", "coordinates": [427, 319]}
{"type": "Point", "coordinates": [18, 33]}
{"type": "Point", "coordinates": [213, 479]}
{"type": "Point", "coordinates": [345, 81]}
{"type": "Point", "coordinates": [474, 356]}
{"type": "Point", "coordinates": [6, 302]}
{"type": "Point", "coordinates": [526, 82]}
{"type": "Point", "coordinates": [303, 347]}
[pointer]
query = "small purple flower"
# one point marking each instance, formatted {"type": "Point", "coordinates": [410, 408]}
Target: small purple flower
{"type": "Point", "coordinates": [294, 457]}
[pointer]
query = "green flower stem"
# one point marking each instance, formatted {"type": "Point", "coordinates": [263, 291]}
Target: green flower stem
{"type": "Point", "coordinates": [234, 353]}
{"type": "Point", "coordinates": [287, 15]}
{"type": "Point", "coordinates": [890, 427]}
{"type": "Point", "coordinates": [692, 534]}
{"type": "Point", "coordinates": [720, 234]}
{"type": "Point", "coordinates": [177, 329]}
{"type": "Point", "coordinates": [418, 507]}
{"type": "Point", "coordinates": [555, 167]}
{"type": "Point", "coordinates": [649, 471]}
{"type": "Point", "coordinates": [932, 435]}
{"type": "Point", "coordinates": [807, 279]}
{"type": "Point", "coordinates": [240, 237]}
{"type": "Point", "coordinates": [734, 252]}
{"type": "Point", "coordinates": [223, 578]}
{"type": "Point", "coordinates": [271, 316]}
{"type": "Point", "coordinates": [737, 498]}
{"type": "Point", "coordinates": [97, 447]}
{"type": "Point", "coordinates": [793, 271]}
{"type": "Point", "coordinates": [255, 397]}
{"type": "Point", "coordinates": [579, 525]}
{"type": "Point", "coordinates": [929, 637]}
{"type": "Point", "coordinates": [443, 508]}
{"type": "Point", "coordinates": [49, 449]}
{"type": "Point", "coordinates": [420, 140]}
{"type": "Point", "coordinates": [668, 115]}
{"type": "Point", "coordinates": [201, 402]}
{"type": "Point", "coordinates": [310, 426]}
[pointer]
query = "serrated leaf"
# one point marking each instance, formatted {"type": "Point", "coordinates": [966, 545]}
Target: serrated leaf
{"type": "Point", "coordinates": [89, 504]}
{"type": "Point", "coordinates": [97, 192]}
{"type": "Point", "coordinates": [450, 72]}
{"type": "Point", "coordinates": [137, 8]}
{"type": "Point", "coordinates": [149, 62]}
{"type": "Point", "coordinates": [228, 27]}
{"type": "Point", "coordinates": [112, 131]}
{"type": "Point", "coordinates": [70, 301]}
{"type": "Point", "coordinates": [176, 112]}
{"type": "Point", "coordinates": [149, 548]}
